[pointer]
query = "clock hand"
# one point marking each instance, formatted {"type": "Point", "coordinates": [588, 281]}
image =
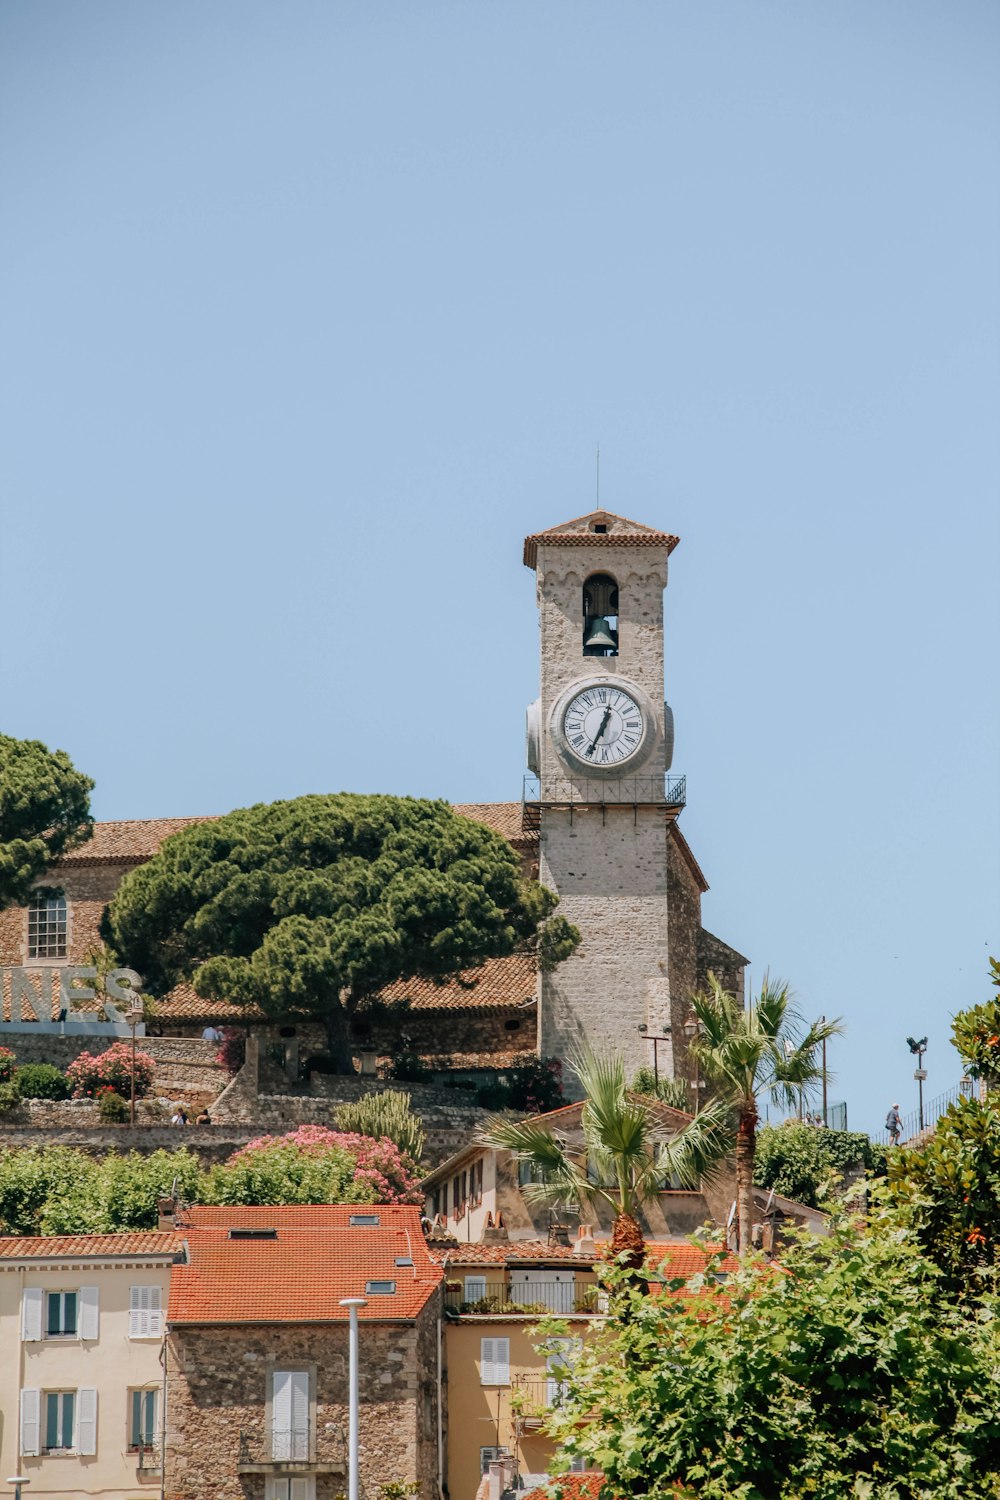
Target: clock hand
{"type": "Point", "coordinates": [604, 724]}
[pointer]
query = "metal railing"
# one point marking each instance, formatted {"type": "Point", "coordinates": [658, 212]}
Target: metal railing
{"type": "Point", "coordinates": [624, 791]}
{"type": "Point", "coordinates": [280, 1445]}
{"type": "Point", "coordinates": [531, 1399]}
{"type": "Point", "coordinates": [149, 1457]}
{"type": "Point", "coordinates": [476, 1297]}
{"type": "Point", "coordinates": [911, 1125]}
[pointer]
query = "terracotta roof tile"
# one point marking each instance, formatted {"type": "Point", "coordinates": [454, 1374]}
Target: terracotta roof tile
{"type": "Point", "coordinates": [676, 1257]}
{"type": "Point", "coordinates": [129, 842]}
{"type": "Point", "coordinates": [316, 1258]}
{"type": "Point", "coordinates": [90, 1246]}
{"type": "Point", "coordinates": [585, 1486]}
{"type": "Point", "coordinates": [503, 817]}
{"type": "Point", "coordinates": [577, 533]}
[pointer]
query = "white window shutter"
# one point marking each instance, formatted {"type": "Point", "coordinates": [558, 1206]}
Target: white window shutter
{"type": "Point", "coordinates": [281, 1414]}
{"type": "Point", "coordinates": [475, 1288]}
{"type": "Point", "coordinates": [145, 1312]}
{"type": "Point", "coordinates": [86, 1420]}
{"type": "Point", "coordinates": [155, 1311]}
{"type": "Point", "coordinates": [31, 1422]}
{"type": "Point", "coordinates": [32, 1303]}
{"type": "Point", "coordinates": [300, 1414]}
{"type": "Point", "coordinates": [494, 1361]}
{"type": "Point", "coordinates": [88, 1312]}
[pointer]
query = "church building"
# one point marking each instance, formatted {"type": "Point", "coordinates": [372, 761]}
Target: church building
{"type": "Point", "coordinates": [597, 824]}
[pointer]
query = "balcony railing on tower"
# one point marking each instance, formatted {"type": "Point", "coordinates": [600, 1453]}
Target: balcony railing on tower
{"type": "Point", "coordinates": [669, 792]}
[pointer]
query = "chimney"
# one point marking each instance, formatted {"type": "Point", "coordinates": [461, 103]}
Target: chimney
{"type": "Point", "coordinates": [502, 1472]}
{"type": "Point", "coordinates": [494, 1234]}
{"type": "Point", "coordinates": [584, 1244]}
{"type": "Point", "coordinates": [559, 1235]}
{"type": "Point", "coordinates": [166, 1213]}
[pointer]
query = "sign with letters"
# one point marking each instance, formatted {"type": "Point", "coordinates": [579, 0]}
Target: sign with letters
{"type": "Point", "coordinates": [35, 991]}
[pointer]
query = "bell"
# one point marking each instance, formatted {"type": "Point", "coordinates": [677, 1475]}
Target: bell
{"type": "Point", "coordinates": [598, 635]}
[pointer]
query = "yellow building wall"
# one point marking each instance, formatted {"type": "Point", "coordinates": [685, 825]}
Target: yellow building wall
{"type": "Point", "coordinates": [113, 1364]}
{"type": "Point", "coordinates": [481, 1416]}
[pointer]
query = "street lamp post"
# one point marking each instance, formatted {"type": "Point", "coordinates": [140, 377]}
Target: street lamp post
{"type": "Point", "coordinates": [17, 1480]}
{"type": "Point", "coordinates": [134, 1017]}
{"type": "Point", "coordinates": [692, 1028]}
{"type": "Point", "coordinates": [353, 1303]}
{"type": "Point", "coordinates": [918, 1048]}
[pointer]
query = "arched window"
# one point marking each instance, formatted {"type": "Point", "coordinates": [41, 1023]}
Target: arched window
{"type": "Point", "coordinates": [47, 925]}
{"type": "Point", "coordinates": [600, 615]}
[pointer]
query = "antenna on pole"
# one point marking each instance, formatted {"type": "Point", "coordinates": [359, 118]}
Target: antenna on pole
{"type": "Point", "coordinates": [598, 475]}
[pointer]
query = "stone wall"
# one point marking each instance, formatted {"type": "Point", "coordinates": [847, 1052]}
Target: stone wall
{"type": "Point", "coordinates": [88, 889]}
{"type": "Point", "coordinates": [217, 1381]}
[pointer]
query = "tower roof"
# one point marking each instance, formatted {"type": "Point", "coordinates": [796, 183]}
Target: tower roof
{"type": "Point", "coordinates": [582, 531]}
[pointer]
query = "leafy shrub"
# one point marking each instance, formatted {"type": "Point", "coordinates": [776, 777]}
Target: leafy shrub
{"type": "Point", "coordinates": [90, 1072]}
{"type": "Point", "coordinates": [314, 1165]}
{"type": "Point", "coordinates": [408, 1067]}
{"type": "Point", "coordinates": [9, 1097]}
{"type": "Point", "coordinates": [671, 1091]}
{"type": "Point", "coordinates": [112, 1109]}
{"type": "Point", "coordinates": [7, 1061]}
{"type": "Point", "coordinates": [41, 1081]}
{"type": "Point", "coordinates": [532, 1087]}
{"type": "Point", "coordinates": [232, 1053]}
{"type": "Point", "coordinates": [797, 1159]}
{"type": "Point", "coordinates": [387, 1115]}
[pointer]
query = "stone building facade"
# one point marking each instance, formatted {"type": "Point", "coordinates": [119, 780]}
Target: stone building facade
{"type": "Point", "coordinates": [257, 1353]}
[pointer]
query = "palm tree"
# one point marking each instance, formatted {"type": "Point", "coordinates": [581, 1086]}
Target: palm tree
{"type": "Point", "coordinates": [744, 1052]}
{"type": "Point", "coordinates": [622, 1160]}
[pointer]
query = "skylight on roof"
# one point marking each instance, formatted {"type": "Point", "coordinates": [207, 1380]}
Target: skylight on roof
{"type": "Point", "coordinates": [380, 1288]}
{"type": "Point", "coordinates": [368, 1221]}
{"type": "Point", "coordinates": [253, 1234]}
{"type": "Point", "coordinates": [404, 1260]}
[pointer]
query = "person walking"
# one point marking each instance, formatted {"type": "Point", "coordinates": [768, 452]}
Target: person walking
{"type": "Point", "coordinates": [894, 1125]}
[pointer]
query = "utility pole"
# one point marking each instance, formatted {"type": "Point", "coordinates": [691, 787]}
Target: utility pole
{"type": "Point", "coordinates": [825, 1120]}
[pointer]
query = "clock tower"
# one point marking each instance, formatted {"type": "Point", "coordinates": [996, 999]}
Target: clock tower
{"type": "Point", "coordinates": [600, 740]}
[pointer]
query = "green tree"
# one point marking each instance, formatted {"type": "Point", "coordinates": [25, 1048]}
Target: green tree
{"type": "Point", "coordinates": [745, 1051]}
{"type": "Point", "coordinates": [311, 907]}
{"type": "Point", "coordinates": [44, 812]}
{"type": "Point", "coordinates": [846, 1375]}
{"type": "Point", "coordinates": [799, 1160]}
{"type": "Point", "coordinates": [622, 1162]}
{"type": "Point", "coordinates": [671, 1091]}
{"type": "Point", "coordinates": [976, 1035]}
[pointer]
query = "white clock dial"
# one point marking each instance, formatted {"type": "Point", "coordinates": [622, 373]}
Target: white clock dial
{"type": "Point", "coordinates": [603, 726]}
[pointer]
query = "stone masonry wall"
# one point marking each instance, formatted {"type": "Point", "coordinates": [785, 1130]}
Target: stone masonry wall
{"type": "Point", "coordinates": [88, 889]}
{"type": "Point", "coordinates": [217, 1382]}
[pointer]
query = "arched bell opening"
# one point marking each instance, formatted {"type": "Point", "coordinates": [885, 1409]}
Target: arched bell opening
{"type": "Point", "coordinates": [600, 615]}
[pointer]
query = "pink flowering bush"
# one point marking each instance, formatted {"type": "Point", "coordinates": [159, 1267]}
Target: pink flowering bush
{"type": "Point", "coordinates": [91, 1072]}
{"type": "Point", "coordinates": [315, 1165]}
{"type": "Point", "coordinates": [7, 1060]}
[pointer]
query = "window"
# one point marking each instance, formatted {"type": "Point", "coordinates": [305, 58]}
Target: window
{"type": "Point", "coordinates": [142, 1419]}
{"type": "Point", "coordinates": [291, 1487]}
{"type": "Point", "coordinates": [47, 925]}
{"type": "Point", "coordinates": [367, 1221]}
{"type": "Point", "coordinates": [489, 1456]}
{"type": "Point", "coordinates": [577, 1466]}
{"type": "Point", "coordinates": [145, 1312]}
{"type": "Point", "coordinates": [380, 1288]}
{"type": "Point", "coordinates": [600, 615]}
{"type": "Point", "coordinates": [494, 1361]}
{"type": "Point", "coordinates": [475, 1288]}
{"type": "Point", "coordinates": [60, 1315]}
{"type": "Point", "coordinates": [290, 1436]}
{"type": "Point", "coordinates": [558, 1365]}
{"type": "Point", "coordinates": [60, 1421]}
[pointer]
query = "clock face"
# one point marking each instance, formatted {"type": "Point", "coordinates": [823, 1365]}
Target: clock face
{"type": "Point", "coordinates": [603, 726]}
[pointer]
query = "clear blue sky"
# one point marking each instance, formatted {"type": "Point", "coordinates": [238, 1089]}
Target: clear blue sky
{"type": "Point", "coordinates": [310, 311]}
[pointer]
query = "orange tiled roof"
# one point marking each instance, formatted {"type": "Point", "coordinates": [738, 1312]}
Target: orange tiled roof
{"type": "Point", "coordinates": [577, 533]}
{"type": "Point", "coordinates": [585, 1486]}
{"type": "Point", "coordinates": [676, 1257]}
{"type": "Point", "coordinates": [500, 984]}
{"type": "Point", "coordinates": [317, 1258]}
{"type": "Point", "coordinates": [90, 1246]}
{"type": "Point", "coordinates": [128, 842]}
{"type": "Point", "coordinates": [503, 817]}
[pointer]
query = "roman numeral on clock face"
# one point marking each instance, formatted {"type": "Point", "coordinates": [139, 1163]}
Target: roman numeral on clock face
{"type": "Point", "coordinates": [603, 726]}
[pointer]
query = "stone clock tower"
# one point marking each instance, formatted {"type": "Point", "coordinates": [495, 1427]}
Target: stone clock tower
{"type": "Point", "coordinates": [600, 740]}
